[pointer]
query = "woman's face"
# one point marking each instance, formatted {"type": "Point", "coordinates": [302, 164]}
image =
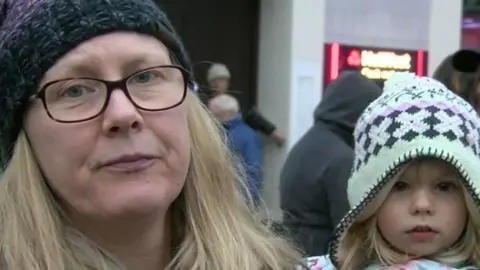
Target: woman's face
{"type": "Point", "coordinates": [425, 211]}
{"type": "Point", "coordinates": [125, 161]}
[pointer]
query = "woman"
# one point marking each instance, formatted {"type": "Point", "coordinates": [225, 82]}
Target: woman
{"type": "Point", "coordinates": [111, 162]}
{"type": "Point", "coordinates": [458, 79]}
{"type": "Point", "coordinates": [446, 74]}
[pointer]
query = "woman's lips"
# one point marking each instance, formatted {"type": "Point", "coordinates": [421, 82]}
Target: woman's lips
{"type": "Point", "coordinates": [129, 163]}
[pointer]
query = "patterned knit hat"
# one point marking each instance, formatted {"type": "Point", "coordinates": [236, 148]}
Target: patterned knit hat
{"type": "Point", "coordinates": [34, 34]}
{"type": "Point", "coordinates": [414, 117]}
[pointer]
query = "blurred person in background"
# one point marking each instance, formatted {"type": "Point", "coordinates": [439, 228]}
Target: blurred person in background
{"type": "Point", "coordinates": [463, 83]}
{"type": "Point", "coordinates": [242, 140]}
{"type": "Point", "coordinates": [111, 161]}
{"type": "Point", "coordinates": [313, 182]}
{"type": "Point", "coordinates": [218, 77]}
{"type": "Point", "coordinates": [467, 61]}
{"type": "Point", "coordinates": [446, 74]}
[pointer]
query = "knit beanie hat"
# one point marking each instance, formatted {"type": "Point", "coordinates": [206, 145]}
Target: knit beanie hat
{"type": "Point", "coordinates": [413, 118]}
{"type": "Point", "coordinates": [34, 34]}
{"type": "Point", "coordinates": [218, 70]}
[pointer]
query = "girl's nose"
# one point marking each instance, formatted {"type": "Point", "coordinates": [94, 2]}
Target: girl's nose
{"type": "Point", "coordinates": [422, 203]}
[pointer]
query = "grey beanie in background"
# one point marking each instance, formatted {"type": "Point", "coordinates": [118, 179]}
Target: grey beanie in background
{"type": "Point", "coordinates": [218, 70]}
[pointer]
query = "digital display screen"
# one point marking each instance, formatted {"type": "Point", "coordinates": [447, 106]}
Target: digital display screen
{"type": "Point", "coordinates": [377, 64]}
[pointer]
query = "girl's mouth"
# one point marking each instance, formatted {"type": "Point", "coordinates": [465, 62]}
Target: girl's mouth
{"type": "Point", "coordinates": [422, 233]}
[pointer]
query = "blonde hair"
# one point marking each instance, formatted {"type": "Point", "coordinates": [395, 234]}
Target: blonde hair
{"type": "Point", "coordinates": [363, 242]}
{"type": "Point", "coordinates": [212, 226]}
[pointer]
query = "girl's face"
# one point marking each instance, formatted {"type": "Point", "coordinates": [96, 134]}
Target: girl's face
{"type": "Point", "coordinates": [425, 211]}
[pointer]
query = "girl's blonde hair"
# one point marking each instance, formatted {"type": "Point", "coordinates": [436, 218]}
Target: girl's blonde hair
{"type": "Point", "coordinates": [363, 242]}
{"type": "Point", "coordinates": [212, 226]}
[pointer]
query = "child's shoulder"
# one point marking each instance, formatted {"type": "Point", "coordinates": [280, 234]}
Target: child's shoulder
{"type": "Point", "coordinates": [319, 263]}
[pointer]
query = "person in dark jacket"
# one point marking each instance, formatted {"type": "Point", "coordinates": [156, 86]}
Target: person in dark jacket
{"type": "Point", "coordinates": [243, 141]}
{"type": "Point", "coordinates": [313, 181]}
{"type": "Point", "coordinates": [218, 77]}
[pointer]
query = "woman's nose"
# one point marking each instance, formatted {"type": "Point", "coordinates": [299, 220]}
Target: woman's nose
{"type": "Point", "coordinates": [121, 115]}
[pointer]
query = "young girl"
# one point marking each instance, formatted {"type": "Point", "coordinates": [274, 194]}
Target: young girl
{"type": "Point", "coordinates": [414, 188]}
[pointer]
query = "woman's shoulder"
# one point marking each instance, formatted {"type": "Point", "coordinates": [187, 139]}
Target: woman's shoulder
{"type": "Point", "coordinates": [319, 263]}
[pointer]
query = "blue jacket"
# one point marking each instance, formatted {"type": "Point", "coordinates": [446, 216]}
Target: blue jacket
{"type": "Point", "coordinates": [245, 144]}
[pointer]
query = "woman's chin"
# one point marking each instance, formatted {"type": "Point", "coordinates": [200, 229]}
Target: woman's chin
{"type": "Point", "coordinates": [134, 199]}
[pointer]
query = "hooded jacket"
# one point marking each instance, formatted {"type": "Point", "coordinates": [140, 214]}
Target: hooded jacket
{"type": "Point", "coordinates": [313, 181]}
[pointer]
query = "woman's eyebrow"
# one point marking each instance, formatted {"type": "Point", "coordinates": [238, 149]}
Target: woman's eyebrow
{"type": "Point", "coordinates": [149, 59]}
{"type": "Point", "coordinates": [89, 65]}
{"type": "Point", "coordinates": [72, 70]}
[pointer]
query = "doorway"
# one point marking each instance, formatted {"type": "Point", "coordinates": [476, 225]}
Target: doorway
{"type": "Point", "coordinates": [220, 31]}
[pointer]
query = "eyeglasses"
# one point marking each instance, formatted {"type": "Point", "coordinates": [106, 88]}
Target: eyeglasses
{"type": "Point", "coordinates": [80, 99]}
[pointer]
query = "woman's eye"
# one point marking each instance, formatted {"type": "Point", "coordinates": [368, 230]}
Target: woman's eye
{"type": "Point", "coordinates": [400, 186]}
{"type": "Point", "coordinates": [73, 91]}
{"type": "Point", "coordinates": [145, 77]}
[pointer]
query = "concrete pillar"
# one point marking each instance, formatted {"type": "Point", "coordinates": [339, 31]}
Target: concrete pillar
{"type": "Point", "coordinates": [445, 31]}
{"type": "Point", "coordinates": [289, 77]}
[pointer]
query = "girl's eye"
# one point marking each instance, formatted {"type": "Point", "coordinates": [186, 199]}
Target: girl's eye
{"type": "Point", "coordinates": [400, 186]}
{"type": "Point", "coordinates": [446, 186]}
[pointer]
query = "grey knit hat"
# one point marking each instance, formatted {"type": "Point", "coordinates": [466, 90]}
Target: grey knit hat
{"type": "Point", "coordinates": [34, 34]}
{"type": "Point", "coordinates": [218, 70]}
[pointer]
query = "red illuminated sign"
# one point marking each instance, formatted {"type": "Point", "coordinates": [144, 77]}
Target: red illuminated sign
{"type": "Point", "coordinates": [375, 63]}
{"type": "Point", "coordinates": [354, 58]}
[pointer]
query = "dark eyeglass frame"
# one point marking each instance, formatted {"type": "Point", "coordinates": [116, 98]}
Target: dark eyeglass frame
{"type": "Point", "coordinates": [111, 86]}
